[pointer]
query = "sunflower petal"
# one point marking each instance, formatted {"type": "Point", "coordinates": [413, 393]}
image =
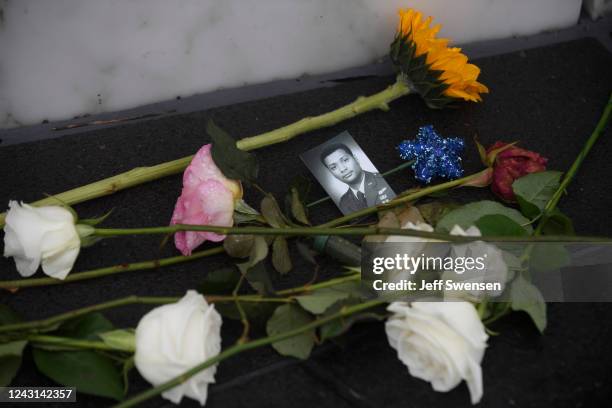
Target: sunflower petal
{"type": "Point", "coordinates": [444, 65]}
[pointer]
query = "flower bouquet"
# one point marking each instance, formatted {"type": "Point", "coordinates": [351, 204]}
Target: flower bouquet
{"type": "Point", "coordinates": [439, 334]}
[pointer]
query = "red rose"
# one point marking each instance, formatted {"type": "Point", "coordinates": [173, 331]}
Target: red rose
{"type": "Point", "coordinates": [510, 164]}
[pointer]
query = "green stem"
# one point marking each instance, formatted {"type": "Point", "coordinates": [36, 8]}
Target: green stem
{"type": "Point", "coordinates": [361, 105]}
{"type": "Point", "coordinates": [316, 231]}
{"type": "Point", "coordinates": [243, 317]}
{"type": "Point", "coordinates": [85, 310]}
{"type": "Point", "coordinates": [178, 259]}
{"type": "Point", "coordinates": [320, 285]}
{"type": "Point", "coordinates": [482, 308]}
{"type": "Point", "coordinates": [113, 184]}
{"type": "Point", "coordinates": [110, 270]}
{"type": "Point", "coordinates": [240, 348]}
{"type": "Point", "coordinates": [571, 173]}
{"type": "Point", "coordinates": [43, 323]}
{"type": "Point", "coordinates": [405, 198]}
{"type": "Point", "coordinates": [70, 343]}
{"type": "Point", "coordinates": [567, 179]}
{"type": "Point", "coordinates": [142, 175]}
{"type": "Point", "coordinates": [129, 300]}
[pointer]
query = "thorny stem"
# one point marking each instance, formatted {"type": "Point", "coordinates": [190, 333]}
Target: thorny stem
{"type": "Point", "coordinates": [240, 348]}
{"type": "Point", "coordinates": [142, 175]}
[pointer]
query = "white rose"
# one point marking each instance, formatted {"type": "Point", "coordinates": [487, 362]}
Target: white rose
{"type": "Point", "coordinates": [174, 338]}
{"type": "Point", "coordinates": [495, 271]}
{"type": "Point", "coordinates": [411, 246]}
{"type": "Point", "coordinates": [35, 235]}
{"type": "Point", "coordinates": [442, 343]}
{"type": "Point", "coordinates": [418, 226]}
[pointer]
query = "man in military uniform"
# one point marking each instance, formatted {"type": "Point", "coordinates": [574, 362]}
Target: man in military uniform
{"type": "Point", "coordinates": [366, 189]}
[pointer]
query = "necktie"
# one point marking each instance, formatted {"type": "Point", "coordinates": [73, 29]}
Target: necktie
{"type": "Point", "coordinates": [362, 199]}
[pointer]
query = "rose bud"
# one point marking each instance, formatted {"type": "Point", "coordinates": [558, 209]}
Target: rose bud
{"type": "Point", "coordinates": [208, 198]}
{"type": "Point", "coordinates": [510, 164]}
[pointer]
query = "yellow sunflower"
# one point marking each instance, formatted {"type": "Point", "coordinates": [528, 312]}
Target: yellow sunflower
{"type": "Point", "coordinates": [441, 74]}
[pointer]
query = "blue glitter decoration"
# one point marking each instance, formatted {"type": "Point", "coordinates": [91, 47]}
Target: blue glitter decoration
{"type": "Point", "coordinates": [434, 155]}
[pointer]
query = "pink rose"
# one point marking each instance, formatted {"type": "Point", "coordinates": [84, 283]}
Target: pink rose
{"type": "Point", "coordinates": [207, 199]}
{"type": "Point", "coordinates": [511, 164]}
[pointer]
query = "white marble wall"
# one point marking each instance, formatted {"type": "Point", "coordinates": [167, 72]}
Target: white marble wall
{"type": "Point", "coordinates": [62, 58]}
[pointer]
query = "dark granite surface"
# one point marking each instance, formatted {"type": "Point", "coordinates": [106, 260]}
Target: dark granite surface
{"type": "Point", "coordinates": [549, 98]}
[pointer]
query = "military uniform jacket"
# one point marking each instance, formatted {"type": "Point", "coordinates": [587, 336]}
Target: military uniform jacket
{"type": "Point", "coordinates": [376, 191]}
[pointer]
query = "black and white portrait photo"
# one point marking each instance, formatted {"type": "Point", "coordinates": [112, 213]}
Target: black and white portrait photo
{"type": "Point", "coordinates": [347, 174]}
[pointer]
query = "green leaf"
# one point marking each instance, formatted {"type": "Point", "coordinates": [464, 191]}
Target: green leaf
{"type": "Point", "coordinates": [482, 152]}
{"type": "Point", "coordinates": [492, 155]}
{"type": "Point", "coordinates": [434, 211]}
{"type": "Point", "coordinates": [259, 252]}
{"type": "Point", "coordinates": [338, 327]}
{"type": "Point", "coordinates": [290, 317]}
{"type": "Point", "coordinates": [513, 262]}
{"type": "Point", "coordinates": [259, 279]}
{"type": "Point", "coordinates": [499, 225]}
{"type": "Point", "coordinates": [534, 190]}
{"type": "Point", "coordinates": [85, 327]}
{"type": "Point", "coordinates": [257, 313]}
{"type": "Point", "coordinates": [242, 207]}
{"type": "Point", "coordinates": [497, 309]}
{"type": "Point", "coordinates": [306, 252]}
{"type": "Point", "coordinates": [468, 214]}
{"type": "Point", "coordinates": [526, 297]}
{"type": "Point", "coordinates": [548, 256]}
{"type": "Point", "coordinates": [14, 348]}
{"type": "Point", "coordinates": [557, 223]}
{"type": "Point", "coordinates": [90, 241]}
{"type": "Point", "coordinates": [297, 207]}
{"type": "Point", "coordinates": [123, 339]}
{"type": "Point", "coordinates": [84, 230]}
{"type": "Point", "coordinates": [234, 163]}
{"type": "Point", "coordinates": [95, 221]}
{"type": "Point", "coordinates": [128, 364]}
{"type": "Point", "coordinates": [244, 213]}
{"type": "Point", "coordinates": [10, 360]}
{"type": "Point", "coordinates": [528, 209]}
{"type": "Point", "coordinates": [281, 260]}
{"type": "Point", "coordinates": [254, 270]}
{"type": "Point", "coordinates": [86, 370]}
{"type": "Point", "coordinates": [220, 281]}
{"type": "Point", "coordinates": [319, 300]}
{"type": "Point", "coordinates": [302, 185]}
{"type": "Point", "coordinates": [272, 212]}
{"type": "Point", "coordinates": [240, 218]}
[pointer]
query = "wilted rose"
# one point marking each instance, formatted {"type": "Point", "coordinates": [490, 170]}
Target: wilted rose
{"type": "Point", "coordinates": [207, 198]}
{"type": "Point", "coordinates": [510, 164]}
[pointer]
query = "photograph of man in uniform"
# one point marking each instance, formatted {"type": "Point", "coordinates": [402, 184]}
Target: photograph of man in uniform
{"type": "Point", "coordinates": [361, 188]}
